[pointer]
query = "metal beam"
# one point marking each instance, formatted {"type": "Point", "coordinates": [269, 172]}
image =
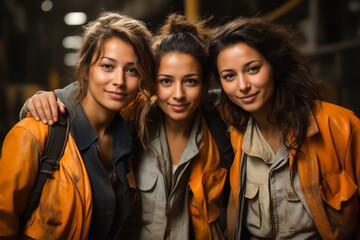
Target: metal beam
{"type": "Point", "coordinates": [192, 9]}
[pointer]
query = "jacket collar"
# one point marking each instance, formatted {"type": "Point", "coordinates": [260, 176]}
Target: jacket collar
{"type": "Point", "coordinates": [85, 135]}
{"type": "Point", "coordinates": [313, 127]}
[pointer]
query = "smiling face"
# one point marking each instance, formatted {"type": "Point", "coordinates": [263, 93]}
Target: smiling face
{"type": "Point", "coordinates": [113, 79]}
{"type": "Point", "coordinates": [246, 78]}
{"type": "Point", "coordinates": [179, 86]}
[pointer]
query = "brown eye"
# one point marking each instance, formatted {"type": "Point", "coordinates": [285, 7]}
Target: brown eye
{"type": "Point", "coordinates": [254, 69]}
{"type": "Point", "coordinates": [107, 66]}
{"type": "Point", "coordinates": [165, 82]}
{"type": "Point", "coordinates": [229, 77]}
{"type": "Point", "coordinates": [191, 82]}
{"type": "Point", "coordinates": [132, 71]}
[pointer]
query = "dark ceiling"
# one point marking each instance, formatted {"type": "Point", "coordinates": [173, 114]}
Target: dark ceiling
{"type": "Point", "coordinates": [31, 50]}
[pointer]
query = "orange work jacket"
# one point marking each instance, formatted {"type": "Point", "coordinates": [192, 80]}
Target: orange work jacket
{"type": "Point", "coordinates": [206, 181]}
{"type": "Point", "coordinates": [329, 171]}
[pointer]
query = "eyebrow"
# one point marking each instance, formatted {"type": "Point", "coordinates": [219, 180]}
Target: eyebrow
{"type": "Point", "coordinates": [187, 75]}
{"type": "Point", "coordinates": [245, 65]}
{"type": "Point", "coordinates": [113, 60]}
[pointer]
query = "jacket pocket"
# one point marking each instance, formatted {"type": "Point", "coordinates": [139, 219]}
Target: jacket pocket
{"type": "Point", "coordinates": [252, 197]}
{"type": "Point", "coordinates": [145, 209]}
{"type": "Point", "coordinates": [337, 188]}
{"type": "Point", "coordinates": [296, 214]}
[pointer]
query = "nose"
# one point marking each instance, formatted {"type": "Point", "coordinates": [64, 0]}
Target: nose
{"type": "Point", "coordinates": [119, 78]}
{"type": "Point", "coordinates": [178, 91]}
{"type": "Point", "coordinates": [244, 84]}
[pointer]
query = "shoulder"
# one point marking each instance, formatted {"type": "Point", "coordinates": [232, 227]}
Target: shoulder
{"type": "Point", "coordinates": [30, 126]}
{"type": "Point", "coordinates": [26, 135]}
{"type": "Point", "coordinates": [325, 111]}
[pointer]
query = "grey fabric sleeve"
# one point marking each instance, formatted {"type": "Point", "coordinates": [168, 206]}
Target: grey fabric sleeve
{"type": "Point", "coordinates": [64, 94]}
{"type": "Point", "coordinates": [24, 110]}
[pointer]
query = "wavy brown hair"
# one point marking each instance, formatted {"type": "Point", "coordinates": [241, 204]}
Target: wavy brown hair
{"type": "Point", "coordinates": [132, 31]}
{"type": "Point", "coordinates": [295, 89]}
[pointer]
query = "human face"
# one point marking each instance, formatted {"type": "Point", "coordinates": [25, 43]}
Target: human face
{"type": "Point", "coordinates": [113, 79]}
{"type": "Point", "coordinates": [246, 78]}
{"type": "Point", "coordinates": [179, 86]}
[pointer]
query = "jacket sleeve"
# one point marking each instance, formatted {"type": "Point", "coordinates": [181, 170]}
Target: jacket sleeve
{"type": "Point", "coordinates": [353, 156]}
{"type": "Point", "coordinates": [18, 170]}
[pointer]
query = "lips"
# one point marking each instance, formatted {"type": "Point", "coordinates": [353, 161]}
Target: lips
{"type": "Point", "coordinates": [178, 107]}
{"type": "Point", "coordinates": [116, 94]}
{"type": "Point", "coordinates": [249, 98]}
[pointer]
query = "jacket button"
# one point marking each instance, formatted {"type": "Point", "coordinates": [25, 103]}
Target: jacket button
{"type": "Point", "coordinates": [215, 178]}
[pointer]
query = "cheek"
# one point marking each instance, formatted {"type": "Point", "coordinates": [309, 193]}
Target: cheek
{"type": "Point", "coordinates": [162, 93]}
{"type": "Point", "coordinates": [269, 85]}
{"type": "Point", "coordinates": [228, 87]}
{"type": "Point", "coordinates": [197, 95]}
{"type": "Point", "coordinates": [133, 85]}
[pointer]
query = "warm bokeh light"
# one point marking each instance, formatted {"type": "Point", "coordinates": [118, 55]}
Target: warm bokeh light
{"type": "Point", "coordinates": [72, 42]}
{"type": "Point", "coordinates": [75, 18]}
{"type": "Point", "coordinates": [46, 5]}
{"type": "Point", "coordinates": [70, 59]}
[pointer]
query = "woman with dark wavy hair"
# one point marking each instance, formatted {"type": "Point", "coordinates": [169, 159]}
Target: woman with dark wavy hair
{"type": "Point", "coordinates": [297, 165]}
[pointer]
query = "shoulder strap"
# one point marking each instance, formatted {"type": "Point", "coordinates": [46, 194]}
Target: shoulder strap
{"type": "Point", "coordinates": [218, 129]}
{"type": "Point", "coordinates": [54, 149]}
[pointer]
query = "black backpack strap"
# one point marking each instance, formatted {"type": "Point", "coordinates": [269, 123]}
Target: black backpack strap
{"type": "Point", "coordinates": [218, 129]}
{"type": "Point", "coordinates": [54, 149]}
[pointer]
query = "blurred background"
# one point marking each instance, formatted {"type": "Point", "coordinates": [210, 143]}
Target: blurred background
{"type": "Point", "coordinates": [39, 38]}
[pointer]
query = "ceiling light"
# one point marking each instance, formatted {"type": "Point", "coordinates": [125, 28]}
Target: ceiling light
{"type": "Point", "coordinates": [75, 18]}
{"type": "Point", "coordinates": [72, 42]}
{"type": "Point", "coordinates": [70, 59]}
{"type": "Point", "coordinates": [46, 5]}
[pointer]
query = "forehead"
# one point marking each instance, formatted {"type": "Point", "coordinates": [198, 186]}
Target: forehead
{"type": "Point", "coordinates": [175, 61]}
{"type": "Point", "coordinates": [239, 53]}
{"type": "Point", "coordinates": [116, 48]}
{"type": "Point", "coordinates": [240, 49]}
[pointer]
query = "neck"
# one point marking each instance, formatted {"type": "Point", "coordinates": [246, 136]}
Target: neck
{"type": "Point", "coordinates": [99, 118]}
{"type": "Point", "coordinates": [179, 128]}
{"type": "Point", "coordinates": [269, 130]}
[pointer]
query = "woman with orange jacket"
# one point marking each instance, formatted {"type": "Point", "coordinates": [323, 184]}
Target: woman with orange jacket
{"type": "Point", "coordinates": [296, 171]}
{"type": "Point", "coordinates": [92, 192]}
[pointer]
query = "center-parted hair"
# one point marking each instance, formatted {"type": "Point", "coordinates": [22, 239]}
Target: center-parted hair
{"type": "Point", "coordinates": [295, 90]}
{"type": "Point", "coordinates": [180, 35]}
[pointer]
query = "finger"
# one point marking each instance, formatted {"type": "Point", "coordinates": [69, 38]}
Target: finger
{"type": "Point", "coordinates": [45, 102]}
{"type": "Point", "coordinates": [53, 105]}
{"type": "Point", "coordinates": [39, 108]}
{"type": "Point", "coordinates": [61, 106]}
{"type": "Point", "coordinates": [32, 109]}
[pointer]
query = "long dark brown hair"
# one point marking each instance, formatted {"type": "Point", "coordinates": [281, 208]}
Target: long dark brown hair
{"type": "Point", "coordinates": [295, 89]}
